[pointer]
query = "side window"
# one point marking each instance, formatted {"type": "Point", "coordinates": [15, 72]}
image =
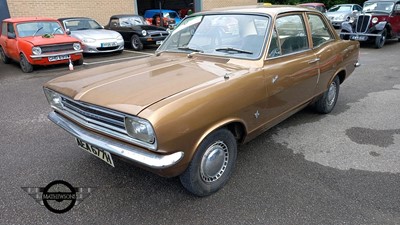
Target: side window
{"type": "Point", "coordinates": [10, 28]}
{"type": "Point", "coordinates": [319, 30]}
{"type": "Point", "coordinates": [114, 23]}
{"type": "Point", "coordinates": [397, 7]}
{"type": "Point", "coordinates": [292, 34]}
{"type": "Point", "coordinates": [4, 29]}
{"type": "Point", "coordinates": [274, 49]}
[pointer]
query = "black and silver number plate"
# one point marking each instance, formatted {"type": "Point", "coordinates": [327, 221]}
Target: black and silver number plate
{"type": "Point", "coordinates": [99, 153]}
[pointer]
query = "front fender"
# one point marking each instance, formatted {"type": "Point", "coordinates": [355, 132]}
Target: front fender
{"type": "Point", "coordinates": [346, 26]}
{"type": "Point", "coordinates": [25, 48]}
{"type": "Point", "coordinates": [380, 26]}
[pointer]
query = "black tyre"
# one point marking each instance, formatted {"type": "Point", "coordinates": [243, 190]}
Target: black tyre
{"type": "Point", "coordinates": [3, 56]}
{"type": "Point", "coordinates": [136, 44]}
{"type": "Point", "coordinates": [327, 101]}
{"type": "Point", "coordinates": [79, 62]}
{"type": "Point", "coordinates": [26, 67]}
{"type": "Point", "coordinates": [212, 164]}
{"type": "Point", "coordinates": [380, 40]}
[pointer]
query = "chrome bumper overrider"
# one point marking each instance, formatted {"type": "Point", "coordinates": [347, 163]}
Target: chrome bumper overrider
{"type": "Point", "coordinates": [143, 157]}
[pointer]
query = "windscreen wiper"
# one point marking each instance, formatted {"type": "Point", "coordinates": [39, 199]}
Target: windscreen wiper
{"type": "Point", "coordinates": [37, 31]}
{"type": "Point", "coordinates": [190, 49]}
{"type": "Point", "coordinates": [230, 49]}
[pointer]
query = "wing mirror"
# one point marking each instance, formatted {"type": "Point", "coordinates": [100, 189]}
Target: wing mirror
{"type": "Point", "coordinates": [68, 32]}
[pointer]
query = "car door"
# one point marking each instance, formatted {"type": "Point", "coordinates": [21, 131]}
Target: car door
{"type": "Point", "coordinates": [323, 44]}
{"type": "Point", "coordinates": [395, 19]}
{"type": "Point", "coordinates": [291, 68]}
{"type": "Point", "coordinates": [10, 42]}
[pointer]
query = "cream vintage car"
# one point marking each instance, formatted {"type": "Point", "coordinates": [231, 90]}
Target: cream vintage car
{"type": "Point", "coordinates": [220, 78]}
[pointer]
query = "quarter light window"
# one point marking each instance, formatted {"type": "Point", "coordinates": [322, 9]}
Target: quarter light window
{"type": "Point", "coordinates": [292, 34]}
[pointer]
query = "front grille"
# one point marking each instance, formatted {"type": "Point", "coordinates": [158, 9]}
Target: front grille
{"type": "Point", "coordinates": [363, 23]}
{"type": "Point", "coordinates": [57, 48]}
{"type": "Point", "coordinates": [159, 34]}
{"type": "Point", "coordinates": [107, 48]}
{"type": "Point", "coordinates": [103, 119]}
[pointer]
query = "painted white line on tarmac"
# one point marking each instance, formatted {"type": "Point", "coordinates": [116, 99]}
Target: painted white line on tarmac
{"type": "Point", "coordinates": [144, 53]}
{"type": "Point", "coordinates": [114, 60]}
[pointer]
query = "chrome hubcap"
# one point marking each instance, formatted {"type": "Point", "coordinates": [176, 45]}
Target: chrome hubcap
{"type": "Point", "coordinates": [214, 162]}
{"type": "Point", "coordinates": [332, 93]}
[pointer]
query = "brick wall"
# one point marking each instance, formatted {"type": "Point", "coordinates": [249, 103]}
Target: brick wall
{"type": "Point", "coordinates": [210, 4]}
{"type": "Point", "coordinates": [100, 10]}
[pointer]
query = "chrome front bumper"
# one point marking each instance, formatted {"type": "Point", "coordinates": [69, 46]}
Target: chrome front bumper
{"type": "Point", "coordinates": [56, 54]}
{"type": "Point", "coordinates": [130, 152]}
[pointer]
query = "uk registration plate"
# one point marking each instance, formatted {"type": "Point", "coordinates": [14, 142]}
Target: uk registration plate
{"type": "Point", "coordinates": [109, 44]}
{"type": "Point", "coordinates": [99, 153]}
{"type": "Point", "coordinates": [58, 57]}
{"type": "Point", "coordinates": [359, 38]}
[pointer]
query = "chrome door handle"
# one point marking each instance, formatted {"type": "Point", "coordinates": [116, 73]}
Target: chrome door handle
{"type": "Point", "coordinates": [313, 60]}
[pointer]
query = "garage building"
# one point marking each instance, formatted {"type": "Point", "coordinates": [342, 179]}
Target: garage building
{"type": "Point", "coordinates": [101, 10]}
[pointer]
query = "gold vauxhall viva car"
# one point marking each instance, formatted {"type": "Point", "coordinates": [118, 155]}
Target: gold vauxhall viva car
{"type": "Point", "coordinates": [221, 78]}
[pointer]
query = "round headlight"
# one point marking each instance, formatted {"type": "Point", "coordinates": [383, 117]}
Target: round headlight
{"type": "Point", "coordinates": [375, 20]}
{"type": "Point", "coordinates": [144, 33]}
{"type": "Point", "coordinates": [77, 46]}
{"type": "Point", "coordinates": [36, 50]}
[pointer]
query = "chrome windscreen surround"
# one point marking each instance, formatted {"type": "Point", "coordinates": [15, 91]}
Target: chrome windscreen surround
{"type": "Point", "coordinates": [100, 119]}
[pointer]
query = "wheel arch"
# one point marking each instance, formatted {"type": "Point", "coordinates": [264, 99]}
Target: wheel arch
{"type": "Point", "coordinates": [236, 126]}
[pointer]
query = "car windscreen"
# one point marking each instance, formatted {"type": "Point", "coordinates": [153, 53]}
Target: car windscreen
{"type": "Point", "coordinates": [131, 21]}
{"type": "Point", "coordinates": [231, 35]}
{"type": "Point", "coordinates": [380, 6]}
{"type": "Point", "coordinates": [340, 8]}
{"type": "Point", "coordinates": [39, 28]}
{"type": "Point", "coordinates": [81, 24]}
{"type": "Point", "coordinates": [171, 15]}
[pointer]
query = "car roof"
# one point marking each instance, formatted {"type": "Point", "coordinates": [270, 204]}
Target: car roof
{"type": "Point", "coordinates": [124, 15]}
{"type": "Point", "coordinates": [74, 18]}
{"type": "Point", "coordinates": [272, 10]}
{"type": "Point", "coordinates": [28, 19]}
{"type": "Point", "coordinates": [312, 4]}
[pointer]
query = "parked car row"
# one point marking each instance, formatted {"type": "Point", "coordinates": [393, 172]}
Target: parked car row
{"type": "Point", "coordinates": [48, 41]}
{"type": "Point", "coordinates": [376, 22]}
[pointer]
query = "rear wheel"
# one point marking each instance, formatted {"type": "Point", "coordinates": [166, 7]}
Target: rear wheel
{"type": "Point", "coordinates": [380, 40]}
{"type": "Point", "coordinates": [136, 44]}
{"type": "Point", "coordinates": [327, 101]}
{"type": "Point", "coordinates": [3, 56]}
{"type": "Point", "coordinates": [26, 67]}
{"type": "Point", "coordinates": [212, 164]}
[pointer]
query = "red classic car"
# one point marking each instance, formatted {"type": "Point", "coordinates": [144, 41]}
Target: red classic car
{"type": "Point", "coordinates": [37, 41]}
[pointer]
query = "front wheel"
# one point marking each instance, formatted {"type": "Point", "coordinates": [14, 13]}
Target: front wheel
{"type": "Point", "coordinates": [344, 36]}
{"type": "Point", "coordinates": [380, 40]}
{"type": "Point", "coordinates": [79, 62]}
{"type": "Point", "coordinates": [212, 164]}
{"type": "Point", "coordinates": [136, 44]}
{"type": "Point", "coordinates": [327, 101]}
{"type": "Point", "coordinates": [26, 67]}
